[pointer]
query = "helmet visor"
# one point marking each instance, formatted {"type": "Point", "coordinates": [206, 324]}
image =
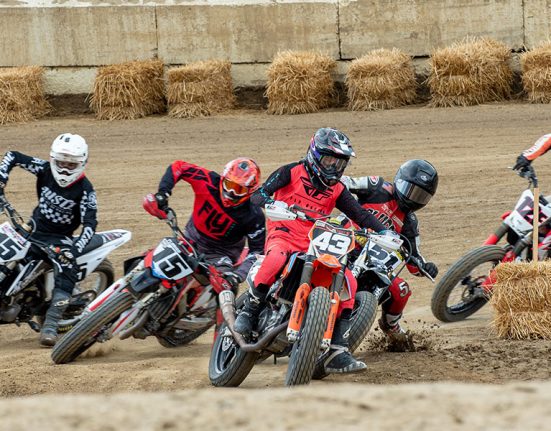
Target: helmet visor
{"type": "Point", "coordinates": [234, 189]}
{"type": "Point", "coordinates": [332, 163]}
{"type": "Point", "coordinates": [413, 192]}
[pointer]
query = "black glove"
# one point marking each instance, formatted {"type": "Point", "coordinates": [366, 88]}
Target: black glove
{"type": "Point", "coordinates": [2, 187]}
{"type": "Point", "coordinates": [162, 201]}
{"type": "Point", "coordinates": [431, 269]}
{"type": "Point", "coordinates": [521, 164]}
{"type": "Point", "coordinates": [66, 257]}
{"type": "Point", "coordinates": [232, 278]}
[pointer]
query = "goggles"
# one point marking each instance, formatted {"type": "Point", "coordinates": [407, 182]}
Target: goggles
{"type": "Point", "coordinates": [234, 188]}
{"type": "Point", "coordinates": [332, 162]}
{"type": "Point", "coordinates": [71, 166]}
{"type": "Point", "coordinates": [413, 192]}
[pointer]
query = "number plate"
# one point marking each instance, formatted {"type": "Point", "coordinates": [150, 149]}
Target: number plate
{"type": "Point", "coordinates": [168, 261]}
{"type": "Point", "coordinates": [377, 254]}
{"type": "Point", "coordinates": [12, 245]}
{"type": "Point", "coordinates": [521, 219]}
{"type": "Point", "coordinates": [327, 239]}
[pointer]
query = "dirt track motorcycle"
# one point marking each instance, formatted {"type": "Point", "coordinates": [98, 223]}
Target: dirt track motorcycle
{"type": "Point", "coordinates": [467, 285]}
{"type": "Point", "coordinates": [170, 293]}
{"type": "Point", "coordinates": [27, 281]}
{"type": "Point", "coordinates": [301, 307]}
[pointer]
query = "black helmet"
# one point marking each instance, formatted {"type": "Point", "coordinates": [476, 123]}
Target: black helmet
{"type": "Point", "coordinates": [327, 157]}
{"type": "Point", "coordinates": [415, 184]}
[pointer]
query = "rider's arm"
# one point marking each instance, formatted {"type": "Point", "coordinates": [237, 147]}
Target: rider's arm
{"type": "Point", "coordinates": [277, 180]}
{"type": "Point", "coordinates": [256, 238]}
{"type": "Point", "coordinates": [350, 206]}
{"type": "Point", "coordinates": [88, 216]}
{"type": "Point", "coordinates": [411, 231]}
{"type": "Point", "coordinates": [542, 146]}
{"type": "Point", "coordinates": [181, 170]}
{"type": "Point", "coordinates": [15, 158]}
{"type": "Point", "coordinates": [362, 185]}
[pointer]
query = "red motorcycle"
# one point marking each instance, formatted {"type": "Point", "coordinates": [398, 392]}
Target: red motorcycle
{"type": "Point", "coordinates": [170, 293]}
{"type": "Point", "coordinates": [467, 284]}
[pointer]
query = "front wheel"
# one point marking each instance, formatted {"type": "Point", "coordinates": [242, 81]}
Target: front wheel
{"type": "Point", "coordinates": [460, 293]}
{"type": "Point", "coordinates": [307, 348]}
{"type": "Point", "coordinates": [229, 365]}
{"type": "Point", "coordinates": [85, 333]}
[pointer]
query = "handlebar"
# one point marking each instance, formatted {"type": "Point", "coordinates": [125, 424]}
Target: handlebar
{"type": "Point", "coordinates": [529, 173]}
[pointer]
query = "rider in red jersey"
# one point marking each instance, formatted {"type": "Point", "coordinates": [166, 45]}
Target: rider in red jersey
{"type": "Point", "coordinates": [312, 183]}
{"type": "Point", "coordinates": [394, 204]}
{"type": "Point", "coordinates": [223, 217]}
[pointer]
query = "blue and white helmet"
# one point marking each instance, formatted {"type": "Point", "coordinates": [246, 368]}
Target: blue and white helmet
{"type": "Point", "coordinates": [327, 157]}
{"type": "Point", "coordinates": [68, 157]}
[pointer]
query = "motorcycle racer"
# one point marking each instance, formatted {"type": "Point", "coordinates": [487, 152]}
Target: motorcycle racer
{"type": "Point", "coordinates": [66, 200]}
{"type": "Point", "coordinates": [223, 217]}
{"type": "Point", "coordinates": [311, 183]}
{"type": "Point", "coordinates": [394, 204]}
{"type": "Point", "coordinates": [540, 147]}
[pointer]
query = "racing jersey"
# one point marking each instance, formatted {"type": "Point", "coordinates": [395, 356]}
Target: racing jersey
{"type": "Point", "coordinates": [212, 224]}
{"type": "Point", "coordinates": [377, 196]}
{"type": "Point", "coordinates": [291, 184]}
{"type": "Point", "coordinates": [540, 147]}
{"type": "Point", "coordinates": [60, 210]}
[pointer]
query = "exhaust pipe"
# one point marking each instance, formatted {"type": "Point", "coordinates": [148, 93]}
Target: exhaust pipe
{"type": "Point", "coordinates": [141, 321]}
{"type": "Point", "coordinates": [227, 306]}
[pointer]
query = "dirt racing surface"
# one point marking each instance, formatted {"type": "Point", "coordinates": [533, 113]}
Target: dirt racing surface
{"type": "Point", "coordinates": [471, 148]}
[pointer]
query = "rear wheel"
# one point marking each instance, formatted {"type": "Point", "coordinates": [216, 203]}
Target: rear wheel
{"type": "Point", "coordinates": [86, 332]}
{"type": "Point", "coordinates": [460, 293]}
{"type": "Point", "coordinates": [307, 348]}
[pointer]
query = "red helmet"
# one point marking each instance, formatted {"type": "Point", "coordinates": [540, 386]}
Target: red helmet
{"type": "Point", "coordinates": [241, 177]}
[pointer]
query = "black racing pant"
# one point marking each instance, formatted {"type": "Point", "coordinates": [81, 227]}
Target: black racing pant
{"type": "Point", "coordinates": [64, 278]}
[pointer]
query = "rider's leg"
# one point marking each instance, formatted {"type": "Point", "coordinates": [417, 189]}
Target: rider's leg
{"type": "Point", "coordinates": [339, 359]}
{"type": "Point", "coordinates": [392, 308]}
{"type": "Point", "coordinates": [274, 261]}
{"type": "Point", "coordinates": [64, 284]}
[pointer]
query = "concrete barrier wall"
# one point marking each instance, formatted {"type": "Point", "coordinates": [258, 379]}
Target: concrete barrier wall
{"type": "Point", "coordinates": [73, 37]}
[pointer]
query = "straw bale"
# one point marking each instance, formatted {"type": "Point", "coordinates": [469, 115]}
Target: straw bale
{"type": "Point", "coordinates": [128, 90]}
{"type": "Point", "coordinates": [536, 73]}
{"type": "Point", "coordinates": [523, 325]}
{"type": "Point", "coordinates": [382, 79]}
{"type": "Point", "coordinates": [22, 94]}
{"type": "Point", "coordinates": [470, 72]}
{"type": "Point", "coordinates": [300, 82]}
{"type": "Point", "coordinates": [200, 89]}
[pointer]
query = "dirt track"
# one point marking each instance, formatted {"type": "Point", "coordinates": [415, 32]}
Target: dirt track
{"type": "Point", "coordinates": [471, 147]}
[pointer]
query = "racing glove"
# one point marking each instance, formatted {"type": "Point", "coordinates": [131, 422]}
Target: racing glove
{"type": "Point", "coordinates": [65, 256]}
{"type": "Point", "coordinates": [162, 201]}
{"type": "Point", "coordinates": [522, 163]}
{"type": "Point", "coordinates": [2, 187]}
{"type": "Point", "coordinates": [431, 269]}
{"type": "Point", "coordinates": [232, 278]}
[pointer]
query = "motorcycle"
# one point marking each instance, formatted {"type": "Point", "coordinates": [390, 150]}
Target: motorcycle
{"type": "Point", "coordinates": [301, 309]}
{"type": "Point", "coordinates": [170, 293]}
{"type": "Point", "coordinates": [467, 285]}
{"type": "Point", "coordinates": [27, 281]}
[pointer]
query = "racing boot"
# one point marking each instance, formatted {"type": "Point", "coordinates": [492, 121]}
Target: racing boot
{"type": "Point", "coordinates": [399, 339]}
{"type": "Point", "coordinates": [247, 319]}
{"type": "Point", "coordinates": [48, 333]}
{"type": "Point", "coordinates": [339, 359]}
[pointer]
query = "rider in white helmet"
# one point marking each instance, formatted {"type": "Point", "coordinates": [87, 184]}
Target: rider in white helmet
{"type": "Point", "coordinates": [66, 200]}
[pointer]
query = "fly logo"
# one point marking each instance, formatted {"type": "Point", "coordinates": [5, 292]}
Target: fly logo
{"type": "Point", "coordinates": [313, 192]}
{"type": "Point", "coordinates": [214, 221]}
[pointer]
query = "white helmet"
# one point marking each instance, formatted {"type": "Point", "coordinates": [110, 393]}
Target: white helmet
{"type": "Point", "coordinates": [68, 158]}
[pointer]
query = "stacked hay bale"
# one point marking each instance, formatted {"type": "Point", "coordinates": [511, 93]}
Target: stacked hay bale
{"type": "Point", "coordinates": [22, 94]}
{"type": "Point", "coordinates": [470, 72]}
{"type": "Point", "coordinates": [521, 298]}
{"type": "Point", "coordinates": [200, 89]}
{"type": "Point", "coordinates": [536, 73]}
{"type": "Point", "coordinates": [128, 90]}
{"type": "Point", "coordinates": [300, 82]}
{"type": "Point", "coordinates": [382, 79]}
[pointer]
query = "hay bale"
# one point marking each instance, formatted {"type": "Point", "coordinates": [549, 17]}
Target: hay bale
{"type": "Point", "coordinates": [536, 73]}
{"type": "Point", "coordinates": [300, 82]}
{"type": "Point", "coordinates": [470, 72]}
{"type": "Point", "coordinates": [521, 298]}
{"type": "Point", "coordinates": [128, 90]}
{"type": "Point", "coordinates": [22, 94]}
{"type": "Point", "coordinates": [200, 89]}
{"type": "Point", "coordinates": [382, 79]}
